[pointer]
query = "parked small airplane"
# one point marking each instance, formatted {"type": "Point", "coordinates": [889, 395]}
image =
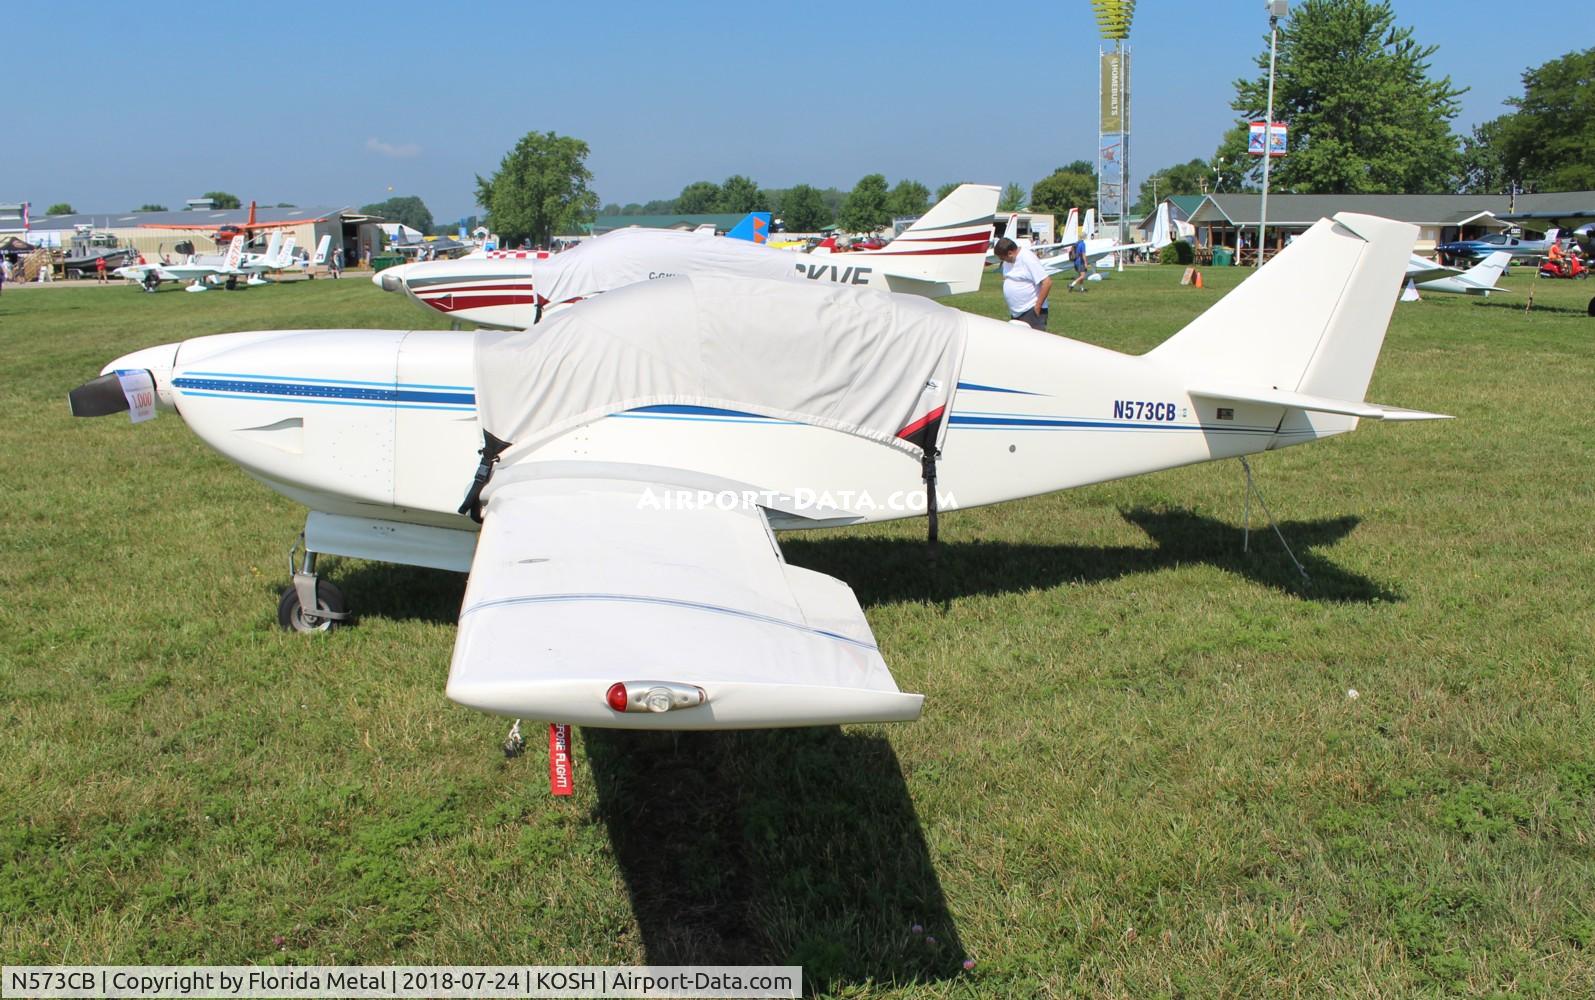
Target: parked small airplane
{"type": "Point", "coordinates": [204, 272]}
{"type": "Point", "coordinates": [224, 234]}
{"type": "Point", "coordinates": [941, 254]}
{"type": "Point", "coordinates": [1479, 279]}
{"type": "Point", "coordinates": [637, 449]}
{"type": "Point", "coordinates": [1482, 247]}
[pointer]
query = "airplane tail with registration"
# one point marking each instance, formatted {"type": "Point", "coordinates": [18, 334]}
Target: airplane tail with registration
{"type": "Point", "coordinates": [235, 254]}
{"type": "Point", "coordinates": [321, 249]}
{"type": "Point", "coordinates": [1305, 331]}
{"type": "Point", "coordinates": [286, 256]}
{"type": "Point", "coordinates": [944, 251]}
{"type": "Point", "coordinates": [273, 249]}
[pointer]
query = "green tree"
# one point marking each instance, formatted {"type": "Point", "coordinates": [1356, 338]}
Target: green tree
{"type": "Point", "coordinates": [408, 210]}
{"type": "Point", "coordinates": [1073, 185]}
{"type": "Point", "coordinates": [948, 188]}
{"type": "Point", "coordinates": [741, 194]}
{"type": "Point", "coordinates": [613, 208]}
{"type": "Point", "coordinates": [540, 188]}
{"type": "Point", "coordinates": [908, 198]}
{"type": "Point", "coordinates": [1546, 143]}
{"type": "Point", "coordinates": [1364, 114]}
{"type": "Point", "coordinates": [61, 208]}
{"type": "Point", "coordinates": [1012, 199]}
{"type": "Point", "coordinates": [803, 210]}
{"type": "Point", "coordinates": [697, 198]}
{"type": "Point", "coordinates": [285, 204]}
{"type": "Point", "coordinates": [864, 209]}
{"type": "Point", "coordinates": [221, 199]}
{"type": "Point", "coordinates": [151, 208]}
{"type": "Point", "coordinates": [1190, 177]}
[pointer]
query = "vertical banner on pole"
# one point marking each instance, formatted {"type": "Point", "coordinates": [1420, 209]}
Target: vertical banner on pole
{"type": "Point", "coordinates": [1114, 133]}
{"type": "Point", "coordinates": [1110, 176]}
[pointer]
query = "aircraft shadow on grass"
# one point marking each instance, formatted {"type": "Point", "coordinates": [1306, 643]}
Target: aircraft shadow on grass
{"type": "Point", "coordinates": [774, 847]}
{"type": "Point", "coordinates": [1494, 303]}
{"type": "Point", "coordinates": [883, 571]}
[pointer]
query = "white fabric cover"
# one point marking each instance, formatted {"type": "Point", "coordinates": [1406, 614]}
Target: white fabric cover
{"type": "Point", "coordinates": [630, 255]}
{"type": "Point", "coordinates": [850, 359]}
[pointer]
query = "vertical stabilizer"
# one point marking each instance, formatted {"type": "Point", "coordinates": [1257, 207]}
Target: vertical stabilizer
{"type": "Point", "coordinates": [235, 254]}
{"type": "Point", "coordinates": [1312, 320]}
{"type": "Point", "coordinates": [945, 247]}
{"type": "Point", "coordinates": [1489, 270]}
{"type": "Point", "coordinates": [321, 249]}
{"type": "Point", "coordinates": [1071, 228]}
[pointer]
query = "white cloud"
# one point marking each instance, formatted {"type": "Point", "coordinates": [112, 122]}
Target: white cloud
{"type": "Point", "coordinates": [402, 151]}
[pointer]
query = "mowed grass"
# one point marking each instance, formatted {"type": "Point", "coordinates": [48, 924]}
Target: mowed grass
{"type": "Point", "coordinates": [1139, 773]}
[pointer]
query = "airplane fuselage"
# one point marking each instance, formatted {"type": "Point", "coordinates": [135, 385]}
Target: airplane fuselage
{"type": "Point", "coordinates": [379, 428]}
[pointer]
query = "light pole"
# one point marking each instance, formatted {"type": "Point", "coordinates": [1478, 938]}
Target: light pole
{"type": "Point", "coordinates": [1276, 10]}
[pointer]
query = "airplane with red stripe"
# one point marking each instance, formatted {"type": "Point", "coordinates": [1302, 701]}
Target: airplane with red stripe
{"type": "Point", "coordinates": [942, 253]}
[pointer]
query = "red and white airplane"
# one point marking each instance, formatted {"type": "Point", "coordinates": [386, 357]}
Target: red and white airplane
{"type": "Point", "coordinates": [941, 254]}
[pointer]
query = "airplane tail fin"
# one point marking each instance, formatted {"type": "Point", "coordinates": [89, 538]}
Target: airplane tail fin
{"type": "Point", "coordinates": [754, 227]}
{"type": "Point", "coordinates": [273, 247]}
{"type": "Point", "coordinates": [1162, 234]}
{"type": "Point", "coordinates": [321, 249]}
{"type": "Point", "coordinates": [827, 245]}
{"type": "Point", "coordinates": [946, 247]}
{"type": "Point", "coordinates": [1090, 227]}
{"type": "Point", "coordinates": [1309, 322]}
{"type": "Point", "coordinates": [1487, 271]}
{"type": "Point", "coordinates": [286, 256]}
{"type": "Point", "coordinates": [235, 253]}
{"type": "Point", "coordinates": [1071, 229]}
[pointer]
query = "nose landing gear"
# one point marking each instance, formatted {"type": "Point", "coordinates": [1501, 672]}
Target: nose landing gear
{"type": "Point", "coordinates": [311, 604]}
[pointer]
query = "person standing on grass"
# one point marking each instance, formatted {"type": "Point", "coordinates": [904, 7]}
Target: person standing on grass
{"type": "Point", "coordinates": [99, 271]}
{"type": "Point", "coordinates": [1078, 284]}
{"type": "Point", "coordinates": [1025, 283]}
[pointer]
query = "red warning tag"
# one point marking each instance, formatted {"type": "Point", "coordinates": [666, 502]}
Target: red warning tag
{"type": "Point", "coordinates": [560, 779]}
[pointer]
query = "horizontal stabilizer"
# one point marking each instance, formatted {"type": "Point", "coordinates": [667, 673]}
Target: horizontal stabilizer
{"type": "Point", "coordinates": [1317, 404]}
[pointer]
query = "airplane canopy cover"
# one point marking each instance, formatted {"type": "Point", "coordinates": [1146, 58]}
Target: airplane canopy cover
{"type": "Point", "coordinates": [870, 363]}
{"type": "Point", "coordinates": [626, 256]}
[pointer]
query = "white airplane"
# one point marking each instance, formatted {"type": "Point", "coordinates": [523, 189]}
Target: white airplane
{"type": "Point", "coordinates": [1059, 257]}
{"type": "Point", "coordinates": [941, 254]}
{"type": "Point", "coordinates": [1479, 279]}
{"type": "Point", "coordinates": [640, 447]}
{"type": "Point", "coordinates": [204, 272]}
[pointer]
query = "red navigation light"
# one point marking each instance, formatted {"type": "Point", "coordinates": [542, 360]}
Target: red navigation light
{"type": "Point", "coordinates": [616, 697]}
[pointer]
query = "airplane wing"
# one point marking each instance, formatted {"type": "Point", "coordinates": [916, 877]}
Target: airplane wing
{"type": "Point", "coordinates": [580, 585]}
{"type": "Point", "coordinates": [1421, 269]}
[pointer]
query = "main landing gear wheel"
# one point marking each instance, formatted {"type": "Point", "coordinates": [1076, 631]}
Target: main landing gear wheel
{"type": "Point", "coordinates": [1592, 307]}
{"type": "Point", "coordinates": [291, 613]}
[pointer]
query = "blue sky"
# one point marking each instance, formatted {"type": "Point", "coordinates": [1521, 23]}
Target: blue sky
{"type": "Point", "coordinates": [339, 103]}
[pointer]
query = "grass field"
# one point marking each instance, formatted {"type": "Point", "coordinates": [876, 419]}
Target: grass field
{"type": "Point", "coordinates": [1139, 773]}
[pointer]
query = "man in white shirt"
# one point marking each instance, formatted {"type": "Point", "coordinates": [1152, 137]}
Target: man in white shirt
{"type": "Point", "coordinates": [1025, 283]}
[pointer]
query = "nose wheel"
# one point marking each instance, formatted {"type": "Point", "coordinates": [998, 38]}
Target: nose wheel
{"type": "Point", "coordinates": [311, 604]}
